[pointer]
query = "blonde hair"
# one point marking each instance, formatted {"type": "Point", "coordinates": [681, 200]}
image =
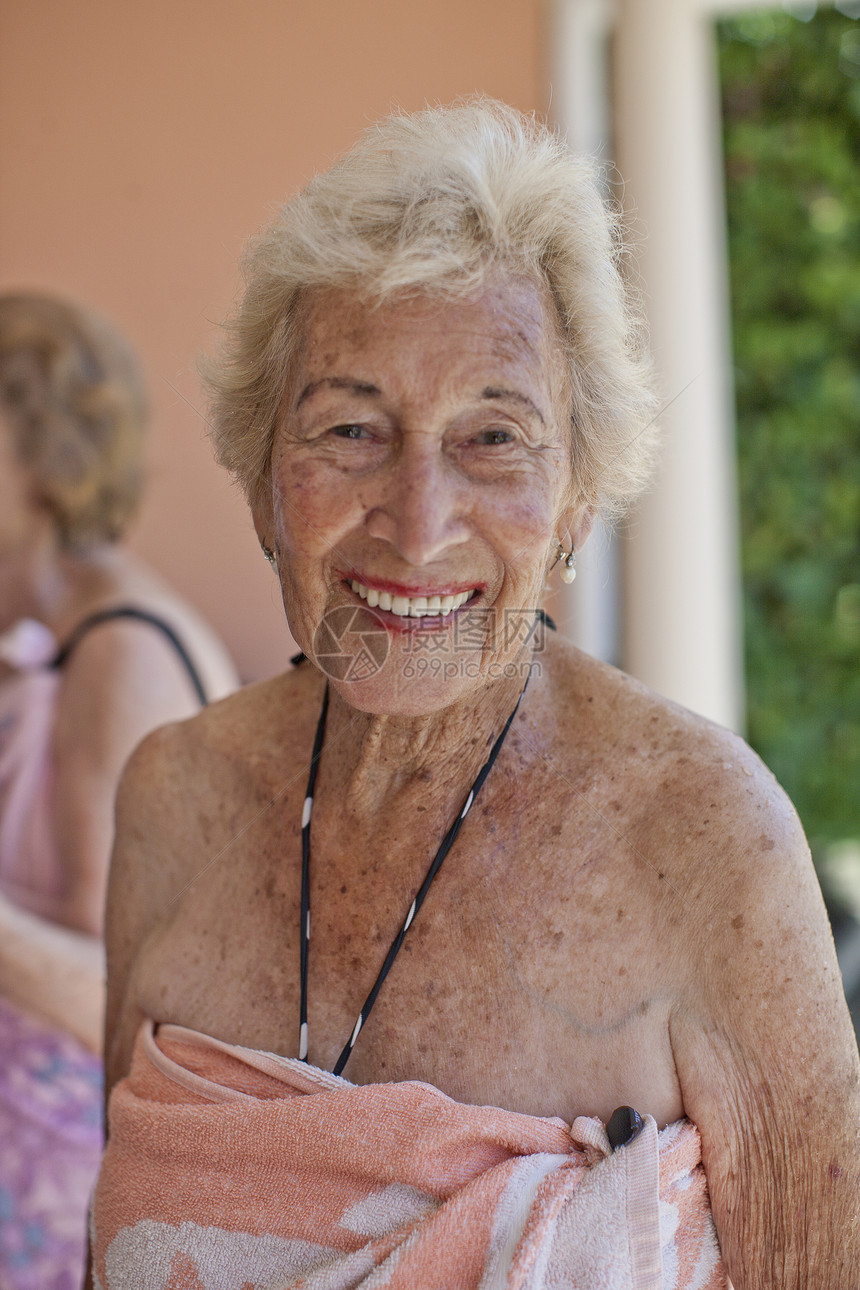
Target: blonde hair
{"type": "Point", "coordinates": [437, 201]}
{"type": "Point", "coordinates": [73, 399]}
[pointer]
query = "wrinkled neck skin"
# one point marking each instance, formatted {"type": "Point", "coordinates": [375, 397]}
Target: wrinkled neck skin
{"type": "Point", "coordinates": [371, 760]}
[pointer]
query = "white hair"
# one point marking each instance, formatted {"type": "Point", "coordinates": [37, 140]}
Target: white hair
{"type": "Point", "coordinates": [437, 201]}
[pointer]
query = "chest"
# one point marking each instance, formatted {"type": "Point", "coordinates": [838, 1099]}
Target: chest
{"type": "Point", "coordinates": [515, 984]}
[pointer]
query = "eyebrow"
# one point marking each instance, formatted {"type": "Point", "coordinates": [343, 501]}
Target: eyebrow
{"type": "Point", "coordinates": [496, 392]}
{"type": "Point", "coordinates": [490, 392]}
{"type": "Point", "coordinates": [337, 383]}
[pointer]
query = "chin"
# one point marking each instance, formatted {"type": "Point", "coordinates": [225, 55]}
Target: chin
{"type": "Point", "coordinates": [416, 686]}
{"type": "Point", "coordinates": [393, 692]}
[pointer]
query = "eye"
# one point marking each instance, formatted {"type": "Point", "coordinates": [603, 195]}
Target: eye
{"type": "Point", "coordinates": [350, 431]}
{"type": "Point", "coordinates": [494, 437]}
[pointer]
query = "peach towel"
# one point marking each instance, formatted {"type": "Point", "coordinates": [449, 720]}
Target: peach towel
{"type": "Point", "coordinates": [232, 1169]}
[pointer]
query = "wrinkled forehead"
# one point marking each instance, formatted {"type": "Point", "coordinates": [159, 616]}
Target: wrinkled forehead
{"type": "Point", "coordinates": [514, 316]}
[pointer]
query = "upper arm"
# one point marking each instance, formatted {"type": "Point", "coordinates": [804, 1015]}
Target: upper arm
{"type": "Point", "coordinates": [122, 681]}
{"type": "Point", "coordinates": [143, 881]}
{"type": "Point", "coordinates": [768, 1063]}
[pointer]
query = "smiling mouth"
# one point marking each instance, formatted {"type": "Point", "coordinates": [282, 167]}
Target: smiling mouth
{"type": "Point", "coordinates": [411, 606]}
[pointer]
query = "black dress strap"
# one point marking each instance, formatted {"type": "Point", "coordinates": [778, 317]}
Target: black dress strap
{"type": "Point", "coordinates": [140, 615]}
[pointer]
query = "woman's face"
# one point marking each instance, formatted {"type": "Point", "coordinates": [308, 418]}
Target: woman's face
{"type": "Point", "coordinates": [420, 482]}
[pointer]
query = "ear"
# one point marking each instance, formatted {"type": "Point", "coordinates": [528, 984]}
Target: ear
{"type": "Point", "coordinates": [583, 529]}
{"type": "Point", "coordinates": [577, 522]}
{"type": "Point", "coordinates": [263, 517]}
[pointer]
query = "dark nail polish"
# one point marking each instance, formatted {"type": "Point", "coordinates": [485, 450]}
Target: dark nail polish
{"type": "Point", "coordinates": [623, 1126]}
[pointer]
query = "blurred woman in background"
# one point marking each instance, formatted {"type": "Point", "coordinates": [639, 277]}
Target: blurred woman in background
{"type": "Point", "coordinates": [95, 651]}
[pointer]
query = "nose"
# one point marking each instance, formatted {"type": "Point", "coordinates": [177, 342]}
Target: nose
{"type": "Point", "coordinates": [422, 507]}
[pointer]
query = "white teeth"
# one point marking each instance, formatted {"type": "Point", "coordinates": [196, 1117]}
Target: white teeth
{"type": "Point", "coordinates": [410, 606]}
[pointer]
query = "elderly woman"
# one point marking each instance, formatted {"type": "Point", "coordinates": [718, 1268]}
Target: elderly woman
{"type": "Point", "coordinates": [562, 937]}
{"type": "Point", "coordinates": [95, 651]}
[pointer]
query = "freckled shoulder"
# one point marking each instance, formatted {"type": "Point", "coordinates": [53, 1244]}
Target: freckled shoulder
{"type": "Point", "coordinates": [691, 795]}
{"type": "Point", "coordinates": [248, 741]}
{"type": "Point", "coordinates": [188, 789]}
{"type": "Point", "coordinates": [193, 785]}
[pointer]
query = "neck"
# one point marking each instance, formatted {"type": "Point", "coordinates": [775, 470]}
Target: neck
{"type": "Point", "coordinates": [55, 586]}
{"type": "Point", "coordinates": [374, 759]}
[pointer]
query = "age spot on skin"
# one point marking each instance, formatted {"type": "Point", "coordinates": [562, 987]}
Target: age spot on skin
{"type": "Point", "coordinates": [765, 843]}
{"type": "Point", "coordinates": [738, 922]}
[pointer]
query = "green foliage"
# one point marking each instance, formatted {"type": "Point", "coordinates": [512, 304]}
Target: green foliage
{"type": "Point", "coordinates": [791, 110]}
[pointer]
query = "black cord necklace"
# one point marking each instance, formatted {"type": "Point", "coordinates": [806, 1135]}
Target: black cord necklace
{"type": "Point", "coordinates": [305, 928]}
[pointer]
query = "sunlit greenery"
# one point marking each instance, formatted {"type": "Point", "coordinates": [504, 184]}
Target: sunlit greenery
{"type": "Point", "coordinates": [791, 96]}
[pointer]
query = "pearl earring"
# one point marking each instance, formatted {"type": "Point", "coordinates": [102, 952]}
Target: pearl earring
{"type": "Point", "coordinates": [568, 559]}
{"type": "Point", "coordinates": [269, 554]}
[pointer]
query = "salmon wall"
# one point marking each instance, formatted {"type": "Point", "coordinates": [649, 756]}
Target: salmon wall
{"type": "Point", "coordinates": [141, 144]}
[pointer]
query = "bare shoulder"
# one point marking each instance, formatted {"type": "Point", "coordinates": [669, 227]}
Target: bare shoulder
{"type": "Point", "coordinates": [260, 728]}
{"type": "Point", "coordinates": [238, 750]}
{"type": "Point", "coordinates": [189, 790]}
{"type": "Point", "coordinates": [186, 774]}
{"type": "Point", "coordinates": [721, 839]}
{"type": "Point", "coordinates": [688, 788]}
{"type": "Point", "coordinates": [139, 653]}
{"type": "Point", "coordinates": [760, 1033]}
